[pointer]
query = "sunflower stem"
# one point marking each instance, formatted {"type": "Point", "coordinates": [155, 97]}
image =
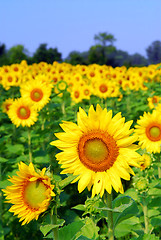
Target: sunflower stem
{"type": "Point", "coordinates": [128, 102]}
{"type": "Point", "coordinates": [63, 108]}
{"type": "Point", "coordinates": [110, 217]}
{"type": "Point", "coordinates": [29, 144]}
{"type": "Point", "coordinates": [1, 226]}
{"type": "Point", "coordinates": [54, 220]}
{"type": "Point", "coordinates": [159, 172]}
{"type": "Point", "coordinates": [145, 211]}
{"type": "Point", "coordinates": [42, 128]}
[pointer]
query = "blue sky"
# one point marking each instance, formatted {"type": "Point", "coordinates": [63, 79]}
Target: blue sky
{"type": "Point", "coordinates": [71, 24]}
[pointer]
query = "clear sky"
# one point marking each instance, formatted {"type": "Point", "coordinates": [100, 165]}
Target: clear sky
{"type": "Point", "coordinates": [71, 24]}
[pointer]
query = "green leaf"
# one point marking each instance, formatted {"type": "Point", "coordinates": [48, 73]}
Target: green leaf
{"type": "Point", "coordinates": [83, 238]}
{"type": "Point", "coordinates": [156, 221]}
{"type": "Point", "coordinates": [42, 159]}
{"type": "Point", "coordinates": [122, 230]}
{"type": "Point", "coordinates": [154, 192]}
{"type": "Point", "coordinates": [45, 229]}
{"type": "Point", "coordinates": [129, 208]}
{"type": "Point", "coordinates": [63, 183]}
{"type": "Point", "coordinates": [127, 226]}
{"type": "Point", "coordinates": [122, 207]}
{"type": "Point", "coordinates": [23, 158]}
{"type": "Point", "coordinates": [69, 232]}
{"type": "Point", "coordinates": [110, 209]}
{"type": "Point", "coordinates": [16, 148]}
{"type": "Point", "coordinates": [131, 192]}
{"type": "Point", "coordinates": [155, 183]}
{"type": "Point", "coordinates": [153, 212]}
{"type": "Point", "coordinates": [89, 230]}
{"type": "Point", "coordinates": [3, 160]}
{"type": "Point", "coordinates": [148, 237]}
{"type": "Point", "coordinates": [80, 207]}
{"type": "Point", "coordinates": [155, 202]}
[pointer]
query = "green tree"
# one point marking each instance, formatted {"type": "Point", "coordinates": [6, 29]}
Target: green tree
{"type": "Point", "coordinates": [99, 52]}
{"type": "Point", "coordinates": [138, 60]}
{"type": "Point", "coordinates": [104, 38]}
{"type": "Point", "coordinates": [75, 58]}
{"type": "Point", "coordinates": [2, 49]}
{"type": "Point", "coordinates": [154, 52]}
{"type": "Point", "coordinates": [43, 54]}
{"type": "Point", "coordinates": [117, 58]}
{"type": "Point", "coordinates": [3, 57]}
{"type": "Point", "coordinates": [16, 54]}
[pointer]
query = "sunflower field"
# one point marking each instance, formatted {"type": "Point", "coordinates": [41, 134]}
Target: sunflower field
{"type": "Point", "coordinates": [80, 152]}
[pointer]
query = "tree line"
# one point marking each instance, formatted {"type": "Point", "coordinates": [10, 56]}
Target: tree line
{"type": "Point", "coordinates": [103, 52]}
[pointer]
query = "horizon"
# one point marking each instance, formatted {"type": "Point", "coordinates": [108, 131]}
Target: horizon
{"type": "Point", "coordinates": [71, 26]}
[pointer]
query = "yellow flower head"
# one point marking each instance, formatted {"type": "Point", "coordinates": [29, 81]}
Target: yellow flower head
{"type": "Point", "coordinates": [148, 130]}
{"type": "Point", "coordinates": [153, 101]}
{"type": "Point", "coordinates": [61, 85]}
{"type": "Point", "coordinates": [30, 193]}
{"type": "Point", "coordinates": [145, 161]}
{"type": "Point", "coordinates": [8, 80]}
{"type": "Point", "coordinates": [76, 93]}
{"type": "Point", "coordinates": [103, 89]}
{"type": "Point", "coordinates": [6, 104]}
{"type": "Point", "coordinates": [21, 113]}
{"type": "Point", "coordinates": [99, 150]}
{"type": "Point", "coordinates": [86, 91]}
{"type": "Point", "coordinates": [36, 92]}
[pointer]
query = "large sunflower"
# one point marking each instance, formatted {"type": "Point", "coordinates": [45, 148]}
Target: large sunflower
{"type": "Point", "coordinates": [30, 193]}
{"type": "Point", "coordinates": [22, 113]}
{"type": "Point", "coordinates": [99, 150]}
{"type": "Point", "coordinates": [148, 129]}
{"type": "Point", "coordinates": [36, 92]}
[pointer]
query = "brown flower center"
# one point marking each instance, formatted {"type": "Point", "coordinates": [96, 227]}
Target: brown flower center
{"type": "Point", "coordinates": [34, 193]}
{"type": "Point", "coordinates": [36, 94]}
{"type": "Point", "coordinates": [153, 132]}
{"type": "Point", "coordinates": [103, 88]}
{"type": "Point", "coordinates": [76, 94]}
{"type": "Point", "coordinates": [97, 151]}
{"type": "Point", "coordinates": [86, 92]}
{"type": "Point", "coordinates": [23, 112]}
{"type": "Point", "coordinates": [10, 79]}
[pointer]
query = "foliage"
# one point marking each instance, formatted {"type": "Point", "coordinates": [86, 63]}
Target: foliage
{"type": "Point", "coordinates": [136, 213]}
{"type": "Point", "coordinates": [154, 52]}
{"type": "Point", "coordinates": [16, 54]}
{"type": "Point", "coordinates": [43, 54]}
{"type": "Point", "coordinates": [104, 38]}
{"type": "Point", "coordinates": [103, 52]}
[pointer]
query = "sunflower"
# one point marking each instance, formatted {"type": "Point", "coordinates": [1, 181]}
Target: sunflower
{"type": "Point", "coordinates": [30, 193]}
{"type": "Point", "coordinates": [103, 88]}
{"type": "Point", "coordinates": [8, 80]}
{"type": "Point", "coordinates": [36, 92]}
{"type": "Point", "coordinates": [76, 93]}
{"type": "Point", "coordinates": [148, 130]}
{"type": "Point", "coordinates": [153, 101]}
{"type": "Point", "coordinates": [99, 150]}
{"type": "Point", "coordinates": [6, 104]}
{"type": "Point", "coordinates": [87, 91]}
{"type": "Point", "coordinates": [21, 113]}
{"type": "Point", "coordinates": [145, 161]}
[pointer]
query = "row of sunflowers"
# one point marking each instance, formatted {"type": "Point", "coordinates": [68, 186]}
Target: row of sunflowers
{"type": "Point", "coordinates": [99, 150]}
{"type": "Point", "coordinates": [81, 81]}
